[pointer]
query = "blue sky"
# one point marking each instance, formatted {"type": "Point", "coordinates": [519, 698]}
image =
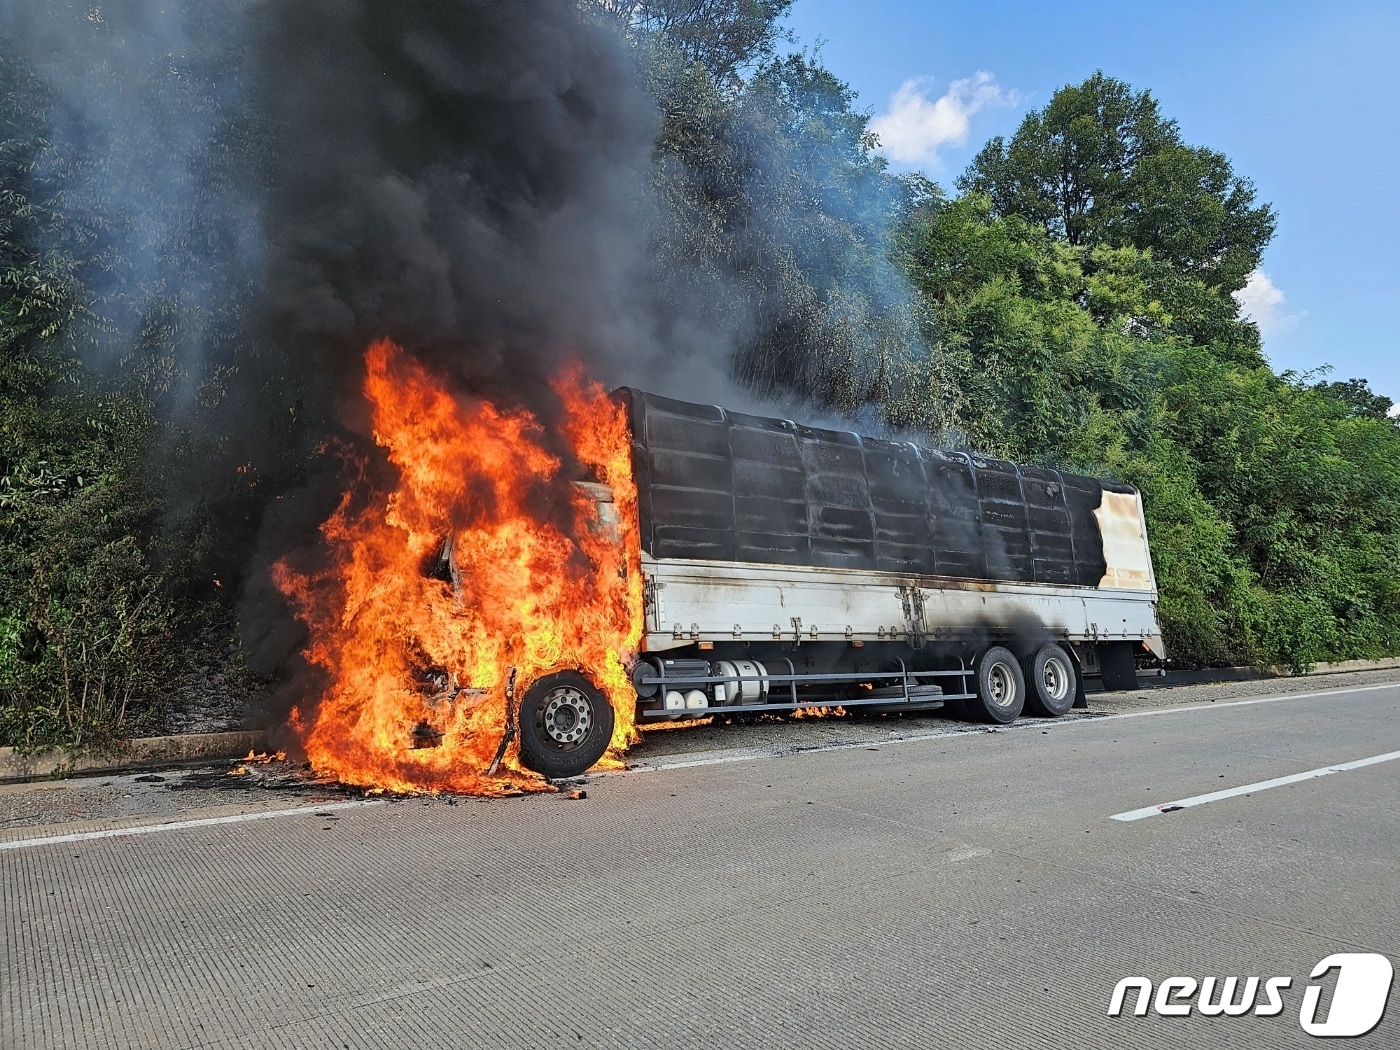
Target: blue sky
{"type": "Point", "coordinates": [1302, 97]}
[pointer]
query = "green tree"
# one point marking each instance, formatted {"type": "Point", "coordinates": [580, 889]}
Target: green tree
{"type": "Point", "coordinates": [1359, 398]}
{"type": "Point", "coordinates": [1100, 165]}
{"type": "Point", "coordinates": [123, 292]}
{"type": "Point", "coordinates": [1272, 506]}
{"type": "Point", "coordinates": [722, 36]}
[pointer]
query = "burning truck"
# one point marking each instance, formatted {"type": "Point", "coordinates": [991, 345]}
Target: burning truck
{"type": "Point", "coordinates": [787, 567]}
{"type": "Point", "coordinates": [712, 563]}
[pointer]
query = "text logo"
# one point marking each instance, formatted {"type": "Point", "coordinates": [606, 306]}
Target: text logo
{"type": "Point", "coordinates": [1358, 1000]}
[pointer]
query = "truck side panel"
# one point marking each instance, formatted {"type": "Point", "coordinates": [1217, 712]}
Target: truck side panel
{"type": "Point", "coordinates": [691, 601]}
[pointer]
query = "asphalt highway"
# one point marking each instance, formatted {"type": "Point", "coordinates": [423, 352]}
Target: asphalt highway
{"type": "Point", "coordinates": [901, 883]}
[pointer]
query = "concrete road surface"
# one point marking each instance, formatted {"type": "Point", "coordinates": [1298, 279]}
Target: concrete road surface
{"type": "Point", "coordinates": [952, 888]}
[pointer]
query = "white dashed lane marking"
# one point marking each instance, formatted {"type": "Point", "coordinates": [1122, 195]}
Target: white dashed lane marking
{"type": "Point", "coordinates": [177, 825]}
{"type": "Point", "coordinates": [1249, 789]}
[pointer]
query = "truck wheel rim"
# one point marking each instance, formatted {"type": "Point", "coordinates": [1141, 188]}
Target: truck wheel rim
{"type": "Point", "coordinates": [1001, 687]}
{"type": "Point", "coordinates": [1056, 679]}
{"type": "Point", "coordinates": [567, 716]}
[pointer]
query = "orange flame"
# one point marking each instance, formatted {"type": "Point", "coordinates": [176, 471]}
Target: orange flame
{"type": "Point", "coordinates": [537, 583]}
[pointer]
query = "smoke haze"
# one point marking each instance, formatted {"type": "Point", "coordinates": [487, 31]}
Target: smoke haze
{"type": "Point", "coordinates": [145, 105]}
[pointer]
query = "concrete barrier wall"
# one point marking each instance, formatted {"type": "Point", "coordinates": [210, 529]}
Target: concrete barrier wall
{"type": "Point", "coordinates": [1238, 674]}
{"type": "Point", "coordinates": [141, 753]}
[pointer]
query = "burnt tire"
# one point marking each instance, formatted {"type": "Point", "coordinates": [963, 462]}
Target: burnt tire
{"type": "Point", "coordinates": [1051, 681]}
{"type": "Point", "coordinates": [565, 725]}
{"type": "Point", "coordinates": [1001, 688]}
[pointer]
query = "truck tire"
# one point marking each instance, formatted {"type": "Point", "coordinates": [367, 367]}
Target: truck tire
{"type": "Point", "coordinates": [565, 725]}
{"type": "Point", "coordinates": [1051, 681]}
{"type": "Point", "coordinates": [1001, 688]}
{"type": "Point", "coordinates": [1117, 666]}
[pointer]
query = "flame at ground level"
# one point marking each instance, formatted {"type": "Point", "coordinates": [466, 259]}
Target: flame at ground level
{"type": "Point", "coordinates": [535, 583]}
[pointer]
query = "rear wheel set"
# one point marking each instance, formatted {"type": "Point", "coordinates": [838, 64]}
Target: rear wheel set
{"type": "Point", "coordinates": [1044, 683]}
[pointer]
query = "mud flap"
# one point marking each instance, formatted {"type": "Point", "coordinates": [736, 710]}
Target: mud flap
{"type": "Point", "coordinates": [1117, 666]}
{"type": "Point", "coordinates": [1081, 699]}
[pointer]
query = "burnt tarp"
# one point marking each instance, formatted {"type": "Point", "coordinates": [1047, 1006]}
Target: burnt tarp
{"type": "Point", "coordinates": [726, 486]}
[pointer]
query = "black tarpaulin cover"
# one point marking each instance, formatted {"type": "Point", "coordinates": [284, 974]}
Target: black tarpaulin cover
{"type": "Point", "coordinates": [725, 486]}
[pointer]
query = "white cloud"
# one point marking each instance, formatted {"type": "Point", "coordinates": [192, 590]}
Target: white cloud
{"type": "Point", "coordinates": [1394, 412]}
{"type": "Point", "coordinates": [917, 127]}
{"type": "Point", "coordinates": [1264, 303]}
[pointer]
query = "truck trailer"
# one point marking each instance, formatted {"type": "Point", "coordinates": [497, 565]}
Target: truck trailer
{"type": "Point", "coordinates": [787, 567]}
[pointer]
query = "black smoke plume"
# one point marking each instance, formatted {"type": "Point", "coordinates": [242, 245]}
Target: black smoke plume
{"type": "Point", "coordinates": [466, 178]}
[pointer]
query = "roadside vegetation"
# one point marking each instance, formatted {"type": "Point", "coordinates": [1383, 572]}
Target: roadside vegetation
{"type": "Point", "coordinates": [1068, 301]}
